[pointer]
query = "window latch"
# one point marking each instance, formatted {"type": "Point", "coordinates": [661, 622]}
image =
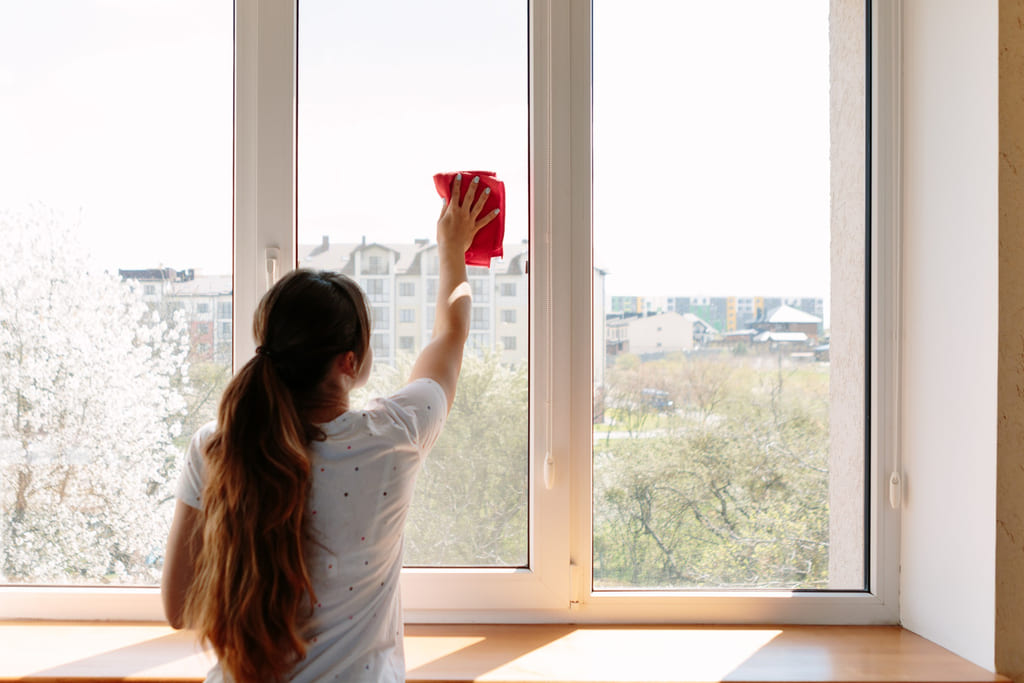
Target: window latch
{"type": "Point", "coordinates": [549, 471]}
{"type": "Point", "coordinates": [895, 489]}
{"type": "Point", "coordinates": [273, 255]}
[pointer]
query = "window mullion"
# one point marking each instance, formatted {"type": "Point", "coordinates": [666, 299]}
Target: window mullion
{"type": "Point", "coordinates": [265, 130]}
{"type": "Point", "coordinates": [584, 309]}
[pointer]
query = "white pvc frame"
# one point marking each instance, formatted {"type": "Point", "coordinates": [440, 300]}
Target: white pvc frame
{"type": "Point", "coordinates": [556, 587]}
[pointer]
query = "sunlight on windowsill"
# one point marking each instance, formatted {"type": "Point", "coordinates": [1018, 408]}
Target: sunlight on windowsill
{"type": "Point", "coordinates": [568, 653]}
{"type": "Point", "coordinates": [521, 653]}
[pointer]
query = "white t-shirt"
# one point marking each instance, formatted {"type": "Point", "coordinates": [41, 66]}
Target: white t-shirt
{"type": "Point", "coordinates": [363, 479]}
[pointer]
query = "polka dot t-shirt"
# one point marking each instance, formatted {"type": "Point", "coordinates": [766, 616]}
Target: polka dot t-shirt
{"type": "Point", "coordinates": [363, 479]}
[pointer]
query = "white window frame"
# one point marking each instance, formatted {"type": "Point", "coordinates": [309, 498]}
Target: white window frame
{"type": "Point", "coordinates": [556, 587]}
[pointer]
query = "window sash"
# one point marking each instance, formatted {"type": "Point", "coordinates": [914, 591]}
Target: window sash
{"type": "Point", "coordinates": [556, 587]}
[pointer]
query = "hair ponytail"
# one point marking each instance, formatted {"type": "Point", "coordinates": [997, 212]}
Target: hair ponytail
{"type": "Point", "coordinates": [252, 589]}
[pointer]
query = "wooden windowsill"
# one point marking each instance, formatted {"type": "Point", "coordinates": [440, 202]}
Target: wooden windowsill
{"type": "Point", "coordinates": [59, 651]}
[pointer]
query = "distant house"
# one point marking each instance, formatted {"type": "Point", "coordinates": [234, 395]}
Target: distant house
{"type": "Point", "coordinates": [651, 334]}
{"type": "Point", "coordinates": [704, 333]}
{"type": "Point", "coordinates": [786, 320]}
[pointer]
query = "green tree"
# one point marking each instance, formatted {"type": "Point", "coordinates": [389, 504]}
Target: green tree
{"type": "Point", "coordinates": [732, 493]}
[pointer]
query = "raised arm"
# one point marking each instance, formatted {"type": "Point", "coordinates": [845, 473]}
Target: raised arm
{"type": "Point", "coordinates": [460, 219]}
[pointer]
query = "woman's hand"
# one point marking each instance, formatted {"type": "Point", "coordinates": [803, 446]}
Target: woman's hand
{"type": "Point", "coordinates": [460, 218]}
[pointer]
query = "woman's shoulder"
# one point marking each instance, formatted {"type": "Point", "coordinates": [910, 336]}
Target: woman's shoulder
{"type": "Point", "coordinates": [422, 392]}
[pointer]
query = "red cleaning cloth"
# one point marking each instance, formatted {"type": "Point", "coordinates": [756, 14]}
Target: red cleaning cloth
{"type": "Point", "coordinates": [487, 242]}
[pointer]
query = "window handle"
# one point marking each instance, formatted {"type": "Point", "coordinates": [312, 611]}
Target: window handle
{"type": "Point", "coordinates": [549, 471]}
{"type": "Point", "coordinates": [273, 258]}
{"type": "Point", "coordinates": [895, 489]}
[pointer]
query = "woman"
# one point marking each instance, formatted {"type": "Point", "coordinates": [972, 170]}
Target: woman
{"type": "Point", "coordinates": [286, 545]}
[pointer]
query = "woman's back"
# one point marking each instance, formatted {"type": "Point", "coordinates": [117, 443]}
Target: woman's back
{"type": "Point", "coordinates": [364, 474]}
{"type": "Point", "coordinates": [286, 546]}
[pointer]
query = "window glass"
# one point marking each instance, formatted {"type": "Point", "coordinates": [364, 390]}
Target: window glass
{"type": "Point", "coordinates": [115, 214]}
{"type": "Point", "coordinates": [713, 463]}
{"type": "Point", "coordinates": [391, 93]}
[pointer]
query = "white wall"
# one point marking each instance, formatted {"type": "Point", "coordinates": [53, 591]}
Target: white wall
{"type": "Point", "coordinates": [950, 221]}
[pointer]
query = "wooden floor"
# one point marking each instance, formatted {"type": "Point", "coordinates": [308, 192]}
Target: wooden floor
{"type": "Point", "coordinates": [49, 651]}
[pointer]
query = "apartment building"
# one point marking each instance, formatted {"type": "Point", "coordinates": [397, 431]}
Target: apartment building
{"type": "Point", "coordinates": [205, 301]}
{"type": "Point", "coordinates": [400, 281]}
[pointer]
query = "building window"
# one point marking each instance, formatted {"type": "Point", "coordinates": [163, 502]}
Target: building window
{"type": "Point", "coordinates": [407, 315]}
{"type": "Point", "coordinates": [225, 329]}
{"type": "Point", "coordinates": [223, 309]}
{"type": "Point", "coordinates": [380, 318]}
{"type": "Point", "coordinates": [508, 289]}
{"type": "Point", "coordinates": [406, 343]}
{"type": "Point", "coordinates": [375, 264]}
{"type": "Point", "coordinates": [508, 315]}
{"type": "Point", "coordinates": [381, 345]}
{"type": "Point", "coordinates": [149, 290]}
{"type": "Point", "coordinates": [377, 289]}
{"type": "Point", "coordinates": [481, 289]}
{"type": "Point", "coordinates": [202, 308]}
{"type": "Point", "coordinates": [480, 318]}
{"type": "Point", "coordinates": [407, 289]}
{"type": "Point", "coordinates": [508, 343]}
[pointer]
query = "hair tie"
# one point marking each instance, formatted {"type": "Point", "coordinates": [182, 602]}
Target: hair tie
{"type": "Point", "coordinates": [265, 352]}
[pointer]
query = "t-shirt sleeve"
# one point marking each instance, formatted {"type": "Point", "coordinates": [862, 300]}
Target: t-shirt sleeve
{"type": "Point", "coordinates": [190, 483]}
{"type": "Point", "coordinates": [421, 407]}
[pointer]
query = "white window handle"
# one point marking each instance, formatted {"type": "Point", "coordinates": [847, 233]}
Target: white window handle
{"type": "Point", "coordinates": [273, 259]}
{"type": "Point", "coordinates": [895, 489]}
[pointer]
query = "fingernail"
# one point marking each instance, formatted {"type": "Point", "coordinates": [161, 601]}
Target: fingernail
{"type": "Point", "coordinates": [476, 179]}
{"type": "Point", "coordinates": [487, 190]}
{"type": "Point", "coordinates": [458, 176]}
{"type": "Point", "coordinates": [497, 211]}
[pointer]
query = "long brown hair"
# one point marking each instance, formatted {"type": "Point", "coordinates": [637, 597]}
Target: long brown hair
{"type": "Point", "coordinates": [252, 588]}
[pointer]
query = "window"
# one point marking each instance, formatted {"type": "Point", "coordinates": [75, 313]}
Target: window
{"type": "Point", "coordinates": [380, 318]}
{"type": "Point", "coordinates": [375, 264]}
{"type": "Point", "coordinates": [203, 308]}
{"type": "Point", "coordinates": [730, 479]}
{"type": "Point", "coordinates": [581, 411]}
{"type": "Point", "coordinates": [508, 315]}
{"type": "Point", "coordinates": [406, 343]}
{"type": "Point", "coordinates": [113, 174]}
{"type": "Point", "coordinates": [481, 289]}
{"type": "Point", "coordinates": [381, 344]}
{"type": "Point", "coordinates": [480, 318]}
{"type": "Point", "coordinates": [377, 289]}
{"type": "Point", "coordinates": [224, 309]}
{"type": "Point", "coordinates": [364, 161]}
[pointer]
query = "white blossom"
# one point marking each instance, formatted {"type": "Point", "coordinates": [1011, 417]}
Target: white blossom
{"type": "Point", "coordinates": [91, 384]}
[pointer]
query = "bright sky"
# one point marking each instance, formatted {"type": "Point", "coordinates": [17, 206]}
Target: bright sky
{"type": "Point", "coordinates": [710, 129]}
